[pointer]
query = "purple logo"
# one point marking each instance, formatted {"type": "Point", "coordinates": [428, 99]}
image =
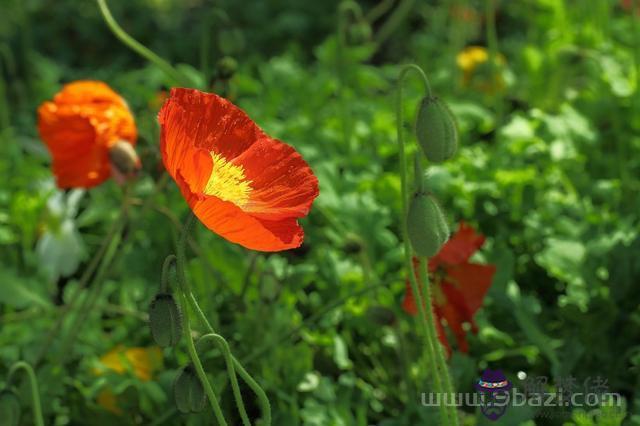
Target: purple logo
{"type": "Point", "coordinates": [494, 392]}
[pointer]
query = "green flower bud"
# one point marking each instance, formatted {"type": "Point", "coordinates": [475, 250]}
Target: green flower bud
{"type": "Point", "coordinates": [426, 225]}
{"type": "Point", "coordinates": [436, 129]}
{"type": "Point", "coordinates": [165, 320]}
{"type": "Point", "coordinates": [9, 408]}
{"type": "Point", "coordinates": [188, 391]}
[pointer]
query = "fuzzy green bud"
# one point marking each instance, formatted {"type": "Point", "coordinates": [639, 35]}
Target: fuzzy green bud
{"type": "Point", "coordinates": [426, 226]}
{"type": "Point", "coordinates": [165, 320]}
{"type": "Point", "coordinates": [188, 391]}
{"type": "Point", "coordinates": [436, 129]}
{"type": "Point", "coordinates": [9, 408]}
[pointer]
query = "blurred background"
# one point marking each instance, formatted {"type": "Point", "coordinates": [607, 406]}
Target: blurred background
{"type": "Point", "coordinates": [546, 95]}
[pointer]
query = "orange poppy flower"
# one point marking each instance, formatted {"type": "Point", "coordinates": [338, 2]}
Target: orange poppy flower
{"type": "Point", "coordinates": [242, 184]}
{"type": "Point", "coordinates": [86, 127]}
{"type": "Point", "coordinates": [459, 286]}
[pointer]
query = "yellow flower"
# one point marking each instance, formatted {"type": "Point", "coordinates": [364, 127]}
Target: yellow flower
{"type": "Point", "coordinates": [473, 61]}
{"type": "Point", "coordinates": [142, 362]}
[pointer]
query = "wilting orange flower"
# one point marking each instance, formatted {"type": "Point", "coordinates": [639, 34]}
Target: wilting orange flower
{"type": "Point", "coordinates": [241, 183]}
{"type": "Point", "coordinates": [82, 126]}
{"type": "Point", "coordinates": [458, 286]}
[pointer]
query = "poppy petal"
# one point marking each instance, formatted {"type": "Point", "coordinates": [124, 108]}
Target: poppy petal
{"type": "Point", "coordinates": [472, 281]}
{"type": "Point", "coordinates": [77, 161]}
{"type": "Point", "coordinates": [459, 248]}
{"type": "Point", "coordinates": [84, 120]}
{"type": "Point", "coordinates": [242, 184]}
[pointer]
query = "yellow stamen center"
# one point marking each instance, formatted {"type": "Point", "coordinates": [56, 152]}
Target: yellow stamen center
{"type": "Point", "coordinates": [228, 182]}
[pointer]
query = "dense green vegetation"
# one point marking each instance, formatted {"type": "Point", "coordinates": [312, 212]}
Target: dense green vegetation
{"type": "Point", "coordinates": [548, 112]}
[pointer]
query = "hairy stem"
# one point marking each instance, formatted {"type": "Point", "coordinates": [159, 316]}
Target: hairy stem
{"type": "Point", "coordinates": [137, 47]}
{"type": "Point", "coordinates": [35, 393]}
{"type": "Point", "coordinates": [228, 358]}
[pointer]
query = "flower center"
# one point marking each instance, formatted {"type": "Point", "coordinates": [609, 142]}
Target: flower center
{"type": "Point", "coordinates": [228, 182]}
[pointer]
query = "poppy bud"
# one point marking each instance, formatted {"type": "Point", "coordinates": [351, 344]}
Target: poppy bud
{"type": "Point", "coordinates": [9, 408]}
{"type": "Point", "coordinates": [188, 391]}
{"type": "Point", "coordinates": [165, 320]}
{"type": "Point", "coordinates": [426, 225]}
{"type": "Point", "coordinates": [125, 162]}
{"type": "Point", "coordinates": [436, 129]}
{"type": "Point", "coordinates": [226, 67]}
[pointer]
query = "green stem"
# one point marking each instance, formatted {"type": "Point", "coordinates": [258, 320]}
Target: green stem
{"type": "Point", "coordinates": [262, 397]}
{"type": "Point", "coordinates": [165, 285]}
{"type": "Point", "coordinates": [193, 354]}
{"type": "Point", "coordinates": [250, 381]}
{"type": "Point", "coordinates": [138, 47]}
{"type": "Point", "coordinates": [441, 363]}
{"type": "Point", "coordinates": [228, 358]}
{"type": "Point", "coordinates": [427, 326]}
{"type": "Point", "coordinates": [35, 393]}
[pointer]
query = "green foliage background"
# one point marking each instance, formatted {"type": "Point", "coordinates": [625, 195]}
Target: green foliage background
{"type": "Point", "coordinates": [548, 170]}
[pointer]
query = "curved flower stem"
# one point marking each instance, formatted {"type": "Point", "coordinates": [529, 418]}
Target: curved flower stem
{"type": "Point", "coordinates": [193, 354]}
{"type": "Point", "coordinates": [165, 284]}
{"type": "Point", "coordinates": [250, 381]}
{"type": "Point", "coordinates": [183, 291]}
{"type": "Point", "coordinates": [138, 47]}
{"type": "Point", "coordinates": [35, 393]}
{"type": "Point", "coordinates": [186, 291]}
{"type": "Point", "coordinates": [426, 320]}
{"type": "Point", "coordinates": [228, 358]}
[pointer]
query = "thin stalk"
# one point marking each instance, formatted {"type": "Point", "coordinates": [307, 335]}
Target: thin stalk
{"type": "Point", "coordinates": [250, 381]}
{"type": "Point", "coordinates": [186, 290]}
{"type": "Point", "coordinates": [140, 49]}
{"type": "Point", "coordinates": [447, 416]}
{"type": "Point", "coordinates": [228, 358]}
{"type": "Point", "coordinates": [193, 354]}
{"type": "Point", "coordinates": [165, 285]}
{"type": "Point", "coordinates": [441, 363]}
{"type": "Point", "coordinates": [35, 393]}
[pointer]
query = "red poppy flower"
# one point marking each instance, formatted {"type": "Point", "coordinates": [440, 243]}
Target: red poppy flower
{"type": "Point", "coordinates": [458, 286]}
{"type": "Point", "coordinates": [81, 126]}
{"type": "Point", "coordinates": [241, 183]}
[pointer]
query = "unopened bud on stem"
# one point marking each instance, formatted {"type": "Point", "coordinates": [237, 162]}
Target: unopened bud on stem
{"type": "Point", "coordinates": [436, 129]}
{"type": "Point", "coordinates": [426, 226]}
